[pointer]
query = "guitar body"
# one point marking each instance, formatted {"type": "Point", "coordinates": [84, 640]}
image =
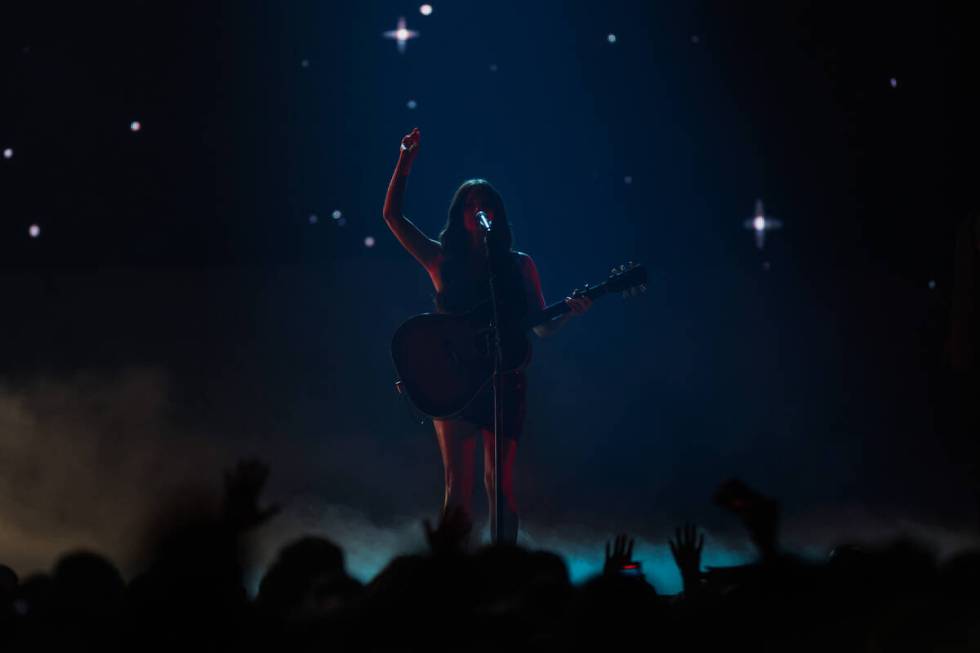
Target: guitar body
{"type": "Point", "coordinates": [443, 361]}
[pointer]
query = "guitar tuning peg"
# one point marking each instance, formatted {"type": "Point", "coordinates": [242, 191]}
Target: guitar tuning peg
{"type": "Point", "coordinates": [614, 271]}
{"type": "Point", "coordinates": [622, 268]}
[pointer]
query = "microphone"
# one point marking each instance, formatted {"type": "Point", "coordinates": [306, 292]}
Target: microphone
{"type": "Point", "coordinates": [483, 220]}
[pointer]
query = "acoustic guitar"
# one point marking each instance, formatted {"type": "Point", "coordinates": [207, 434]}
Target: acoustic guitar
{"type": "Point", "coordinates": [444, 361]}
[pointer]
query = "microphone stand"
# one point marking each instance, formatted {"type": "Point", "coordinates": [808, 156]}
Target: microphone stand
{"type": "Point", "coordinates": [498, 512]}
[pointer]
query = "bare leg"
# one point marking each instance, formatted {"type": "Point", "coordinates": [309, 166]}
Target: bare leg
{"type": "Point", "coordinates": [508, 456]}
{"type": "Point", "coordinates": [457, 443]}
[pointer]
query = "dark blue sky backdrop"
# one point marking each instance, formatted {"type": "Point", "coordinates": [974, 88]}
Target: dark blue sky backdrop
{"type": "Point", "coordinates": [187, 247]}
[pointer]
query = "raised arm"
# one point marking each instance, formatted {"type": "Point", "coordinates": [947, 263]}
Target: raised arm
{"type": "Point", "coordinates": [426, 251]}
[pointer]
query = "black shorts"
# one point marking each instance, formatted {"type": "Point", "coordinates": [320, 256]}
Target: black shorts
{"type": "Point", "coordinates": [513, 392]}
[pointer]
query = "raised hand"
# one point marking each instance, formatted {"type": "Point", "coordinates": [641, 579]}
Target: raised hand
{"type": "Point", "coordinates": [686, 549]}
{"type": "Point", "coordinates": [620, 555]}
{"type": "Point", "coordinates": [409, 150]}
{"type": "Point", "coordinates": [243, 487]}
{"type": "Point", "coordinates": [451, 536]}
{"type": "Point", "coordinates": [759, 514]}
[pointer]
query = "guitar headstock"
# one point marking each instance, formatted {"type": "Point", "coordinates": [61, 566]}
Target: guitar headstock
{"type": "Point", "coordinates": [629, 279]}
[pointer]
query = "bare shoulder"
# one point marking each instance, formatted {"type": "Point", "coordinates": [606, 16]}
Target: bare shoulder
{"type": "Point", "coordinates": [528, 268]}
{"type": "Point", "coordinates": [532, 282]}
{"type": "Point", "coordinates": [526, 263]}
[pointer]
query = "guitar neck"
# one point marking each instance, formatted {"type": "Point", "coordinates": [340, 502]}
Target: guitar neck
{"type": "Point", "coordinates": [560, 308]}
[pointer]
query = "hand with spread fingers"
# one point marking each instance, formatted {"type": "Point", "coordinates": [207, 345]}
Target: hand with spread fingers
{"type": "Point", "coordinates": [686, 548]}
{"type": "Point", "coordinates": [619, 556]}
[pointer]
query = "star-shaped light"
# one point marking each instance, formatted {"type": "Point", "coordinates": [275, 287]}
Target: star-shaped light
{"type": "Point", "coordinates": [401, 34]}
{"type": "Point", "coordinates": [760, 223]}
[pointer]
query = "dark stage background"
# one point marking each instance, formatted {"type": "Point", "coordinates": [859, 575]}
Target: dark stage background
{"type": "Point", "coordinates": [181, 306]}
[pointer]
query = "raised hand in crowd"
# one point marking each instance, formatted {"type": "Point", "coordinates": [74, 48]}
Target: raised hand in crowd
{"type": "Point", "coordinates": [452, 535]}
{"type": "Point", "coordinates": [619, 558]}
{"type": "Point", "coordinates": [243, 489]}
{"type": "Point", "coordinates": [758, 513]}
{"type": "Point", "coordinates": [686, 547]}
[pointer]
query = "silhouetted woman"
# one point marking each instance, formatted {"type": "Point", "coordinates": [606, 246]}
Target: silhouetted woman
{"type": "Point", "coordinates": [457, 266]}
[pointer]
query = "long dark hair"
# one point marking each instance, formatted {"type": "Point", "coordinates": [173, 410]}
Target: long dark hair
{"type": "Point", "coordinates": [455, 241]}
{"type": "Point", "coordinates": [456, 248]}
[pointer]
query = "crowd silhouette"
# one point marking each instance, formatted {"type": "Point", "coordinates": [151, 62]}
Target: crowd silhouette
{"type": "Point", "coordinates": [456, 597]}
